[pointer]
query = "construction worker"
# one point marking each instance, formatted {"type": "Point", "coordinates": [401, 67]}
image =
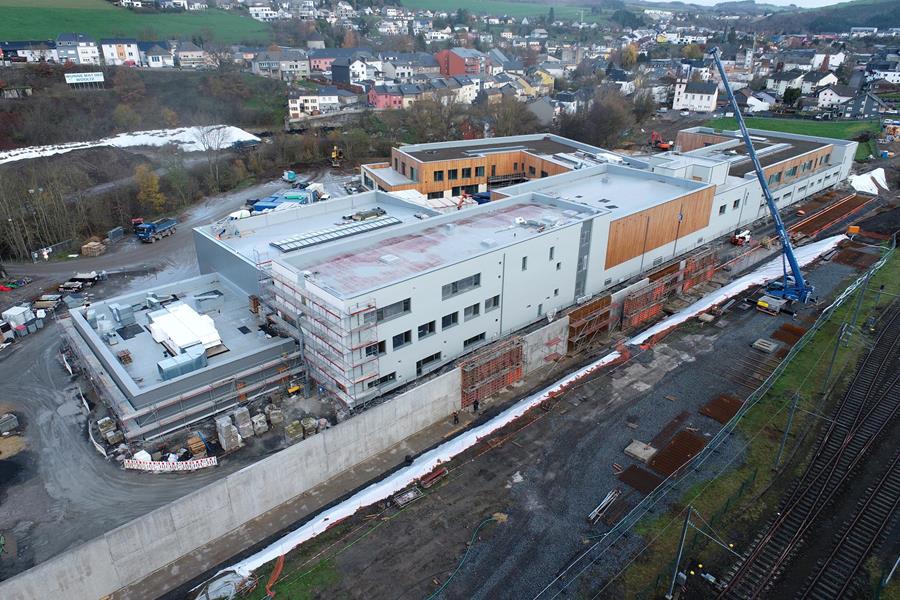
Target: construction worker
{"type": "Point", "coordinates": [475, 407]}
{"type": "Point", "coordinates": [456, 417]}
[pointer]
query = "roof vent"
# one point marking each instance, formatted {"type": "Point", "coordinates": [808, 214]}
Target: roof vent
{"type": "Point", "coordinates": [389, 259]}
{"type": "Point", "coordinates": [612, 206]}
{"type": "Point", "coordinates": [489, 243]}
{"type": "Point", "coordinates": [449, 226]}
{"type": "Point", "coordinates": [520, 221]}
{"type": "Point", "coordinates": [604, 179]}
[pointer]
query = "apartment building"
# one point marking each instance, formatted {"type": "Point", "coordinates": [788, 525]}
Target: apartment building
{"type": "Point", "coordinates": [120, 51]}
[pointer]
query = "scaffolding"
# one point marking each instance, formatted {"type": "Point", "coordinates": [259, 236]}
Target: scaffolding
{"type": "Point", "coordinates": [588, 321]}
{"type": "Point", "coordinates": [491, 369]}
{"type": "Point", "coordinates": [340, 344]}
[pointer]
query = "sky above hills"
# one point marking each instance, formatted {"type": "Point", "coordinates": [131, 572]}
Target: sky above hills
{"type": "Point", "coordinates": [799, 3]}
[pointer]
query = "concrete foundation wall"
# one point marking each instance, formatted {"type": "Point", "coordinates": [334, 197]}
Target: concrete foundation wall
{"type": "Point", "coordinates": [553, 338]}
{"type": "Point", "coordinates": [136, 549]}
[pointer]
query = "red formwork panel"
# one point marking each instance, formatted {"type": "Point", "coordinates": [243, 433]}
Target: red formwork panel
{"type": "Point", "coordinates": [491, 369]}
{"type": "Point", "coordinates": [642, 316]}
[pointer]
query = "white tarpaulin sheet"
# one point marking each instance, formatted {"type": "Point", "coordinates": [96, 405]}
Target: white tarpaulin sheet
{"type": "Point", "coordinates": [869, 183]}
{"type": "Point", "coordinates": [188, 139]}
{"type": "Point", "coordinates": [428, 461]}
{"type": "Point", "coordinates": [771, 270]}
{"type": "Point", "coordinates": [180, 326]}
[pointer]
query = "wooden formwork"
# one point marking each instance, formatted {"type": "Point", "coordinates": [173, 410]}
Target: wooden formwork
{"type": "Point", "coordinates": [491, 369]}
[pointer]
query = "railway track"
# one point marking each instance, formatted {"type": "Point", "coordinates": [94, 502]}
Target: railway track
{"type": "Point", "coordinates": [834, 578]}
{"type": "Point", "coordinates": [870, 403]}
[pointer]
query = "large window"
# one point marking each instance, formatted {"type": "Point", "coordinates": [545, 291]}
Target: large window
{"type": "Point", "coordinates": [492, 303]}
{"type": "Point", "coordinates": [470, 312]}
{"type": "Point", "coordinates": [426, 329]}
{"type": "Point", "coordinates": [475, 339]}
{"type": "Point", "coordinates": [376, 349]}
{"type": "Point", "coordinates": [462, 285]}
{"type": "Point", "coordinates": [467, 172]}
{"type": "Point", "coordinates": [438, 175]}
{"type": "Point", "coordinates": [382, 380]}
{"type": "Point", "coordinates": [423, 364]}
{"type": "Point", "coordinates": [393, 311]}
{"type": "Point", "coordinates": [452, 174]}
{"type": "Point", "coordinates": [479, 171]}
{"type": "Point", "coordinates": [401, 339]}
{"type": "Point", "coordinates": [448, 321]}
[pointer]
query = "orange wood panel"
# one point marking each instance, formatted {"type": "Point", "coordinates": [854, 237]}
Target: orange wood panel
{"type": "Point", "coordinates": [784, 166]}
{"type": "Point", "coordinates": [690, 140]}
{"type": "Point", "coordinates": [657, 226]}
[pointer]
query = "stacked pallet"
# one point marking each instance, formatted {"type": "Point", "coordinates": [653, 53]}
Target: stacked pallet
{"type": "Point", "coordinates": [93, 249]}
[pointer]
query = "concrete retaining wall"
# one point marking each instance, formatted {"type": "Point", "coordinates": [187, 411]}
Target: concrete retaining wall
{"type": "Point", "coordinates": [553, 338]}
{"type": "Point", "coordinates": [136, 549]}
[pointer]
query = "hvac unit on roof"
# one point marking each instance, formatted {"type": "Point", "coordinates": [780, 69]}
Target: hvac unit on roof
{"type": "Point", "coordinates": [389, 259]}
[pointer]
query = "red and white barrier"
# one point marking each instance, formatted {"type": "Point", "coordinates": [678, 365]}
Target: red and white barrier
{"type": "Point", "coordinates": [159, 466]}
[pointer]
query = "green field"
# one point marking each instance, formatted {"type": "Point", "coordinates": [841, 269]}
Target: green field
{"type": "Point", "coordinates": [500, 8]}
{"type": "Point", "coordinates": [842, 130]}
{"type": "Point", "coordinates": [32, 20]}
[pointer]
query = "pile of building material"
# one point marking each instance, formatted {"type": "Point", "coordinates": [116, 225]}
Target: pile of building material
{"type": "Point", "coordinates": [243, 422]}
{"type": "Point", "coordinates": [260, 426]}
{"type": "Point", "coordinates": [275, 414]}
{"type": "Point", "coordinates": [293, 431]}
{"type": "Point", "coordinates": [228, 434]}
{"type": "Point", "coordinates": [196, 446]}
{"type": "Point", "coordinates": [93, 249]}
{"type": "Point", "coordinates": [8, 422]}
{"type": "Point", "coordinates": [177, 326]}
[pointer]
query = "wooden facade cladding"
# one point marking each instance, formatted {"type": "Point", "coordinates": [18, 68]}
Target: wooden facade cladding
{"type": "Point", "coordinates": [495, 164]}
{"type": "Point", "coordinates": [784, 166]}
{"type": "Point", "coordinates": [654, 227]}
{"type": "Point", "coordinates": [690, 140]}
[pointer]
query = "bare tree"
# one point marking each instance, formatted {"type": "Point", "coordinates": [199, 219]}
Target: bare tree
{"type": "Point", "coordinates": [213, 139]}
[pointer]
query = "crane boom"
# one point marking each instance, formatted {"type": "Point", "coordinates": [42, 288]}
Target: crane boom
{"type": "Point", "coordinates": [798, 290]}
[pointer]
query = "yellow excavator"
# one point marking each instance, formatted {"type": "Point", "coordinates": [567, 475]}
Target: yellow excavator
{"type": "Point", "coordinates": [337, 155]}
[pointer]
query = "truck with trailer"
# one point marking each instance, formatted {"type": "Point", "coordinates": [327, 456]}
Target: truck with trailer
{"type": "Point", "coordinates": [155, 230]}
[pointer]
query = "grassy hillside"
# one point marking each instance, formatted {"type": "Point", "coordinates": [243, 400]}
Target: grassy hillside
{"type": "Point", "coordinates": [502, 7]}
{"type": "Point", "coordinates": [838, 17]}
{"type": "Point", "coordinates": [34, 19]}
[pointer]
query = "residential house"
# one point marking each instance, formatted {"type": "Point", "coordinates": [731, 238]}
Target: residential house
{"type": "Point", "coordinates": [315, 41]}
{"type": "Point", "coordinates": [29, 51]}
{"type": "Point", "coordinates": [889, 76]}
{"type": "Point", "coordinates": [699, 96]}
{"type": "Point", "coordinates": [190, 56]}
{"type": "Point", "coordinates": [816, 80]}
{"type": "Point", "coordinates": [863, 31]}
{"type": "Point", "coordinates": [286, 65]}
{"type": "Point", "coordinates": [191, 5]}
{"type": "Point", "coordinates": [385, 97]}
{"type": "Point", "coordinates": [157, 57]}
{"type": "Point", "coordinates": [831, 61]}
{"type": "Point", "coordinates": [752, 102]}
{"type": "Point", "coordinates": [624, 81]}
{"type": "Point", "coordinates": [864, 105]}
{"type": "Point", "coordinates": [120, 51]}
{"type": "Point", "coordinates": [320, 59]}
{"type": "Point", "coordinates": [343, 10]}
{"type": "Point", "coordinates": [77, 48]}
{"type": "Point", "coordinates": [797, 60]}
{"type": "Point", "coordinates": [780, 82]}
{"type": "Point", "coordinates": [263, 11]}
{"type": "Point", "coordinates": [463, 61]}
{"type": "Point", "coordinates": [834, 95]}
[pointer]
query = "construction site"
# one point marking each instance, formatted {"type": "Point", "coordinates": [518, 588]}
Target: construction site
{"type": "Point", "coordinates": [406, 325]}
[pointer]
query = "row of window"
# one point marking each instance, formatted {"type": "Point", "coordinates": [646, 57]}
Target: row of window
{"type": "Point", "coordinates": [454, 174]}
{"type": "Point", "coordinates": [809, 165]}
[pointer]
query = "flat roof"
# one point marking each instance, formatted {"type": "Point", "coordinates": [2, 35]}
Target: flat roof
{"type": "Point", "coordinates": [543, 144]}
{"type": "Point", "coordinates": [235, 324]}
{"type": "Point", "coordinates": [387, 259]}
{"type": "Point", "coordinates": [253, 237]}
{"type": "Point", "coordinates": [616, 189]}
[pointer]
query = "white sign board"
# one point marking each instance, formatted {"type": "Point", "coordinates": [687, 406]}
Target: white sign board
{"type": "Point", "coordinates": [95, 77]}
{"type": "Point", "coordinates": [160, 466]}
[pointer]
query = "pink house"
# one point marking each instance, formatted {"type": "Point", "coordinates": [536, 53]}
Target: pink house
{"type": "Point", "coordinates": [385, 96]}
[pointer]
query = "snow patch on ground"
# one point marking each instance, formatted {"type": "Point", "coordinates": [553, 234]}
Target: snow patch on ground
{"type": "Point", "coordinates": [187, 139]}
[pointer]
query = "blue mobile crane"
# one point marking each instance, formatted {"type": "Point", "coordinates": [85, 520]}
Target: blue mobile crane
{"type": "Point", "coordinates": [793, 287]}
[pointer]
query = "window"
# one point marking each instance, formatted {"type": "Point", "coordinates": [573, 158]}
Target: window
{"type": "Point", "coordinates": [425, 362]}
{"type": "Point", "coordinates": [515, 167]}
{"type": "Point", "coordinates": [456, 191]}
{"type": "Point", "coordinates": [493, 170]}
{"type": "Point", "coordinates": [531, 171]}
{"type": "Point", "coordinates": [438, 175]}
{"type": "Point", "coordinates": [540, 309]}
{"type": "Point", "coordinates": [382, 380]}
{"type": "Point", "coordinates": [376, 349]}
{"type": "Point", "coordinates": [467, 173]}
{"type": "Point", "coordinates": [559, 266]}
{"type": "Point", "coordinates": [452, 174]}
{"type": "Point", "coordinates": [722, 210]}
{"type": "Point", "coordinates": [736, 204]}
{"type": "Point", "coordinates": [448, 321]}
{"type": "Point", "coordinates": [393, 311]}
{"type": "Point", "coordinates": [524, 263]}
{"type": "Point", "coordinates": [479, 171]}
{"type": "Point", "coordinates": [462, 285]}
{"type": "Point", "coordinates": [543, 174]}
{"type": "Point", "coordinates": [401, 339]}
{"type": "Point", "coordinates": [403, 168]}
{"type": "Point", "coordinates": [556, 292]}
{"type": "Point", "coordinates": [412, 173]}
{"type": "Point", "coordinates": [435, 195]}
{"type": "Point", "coordinates": [552, 251]}
{"type": "Point", "coordinates": [492, 303]}
{"type": "Point", "coordinates": [470, 312]}
{"type": "Point", "coordinates": [474, 340]}
{"type": "Point", "coordinates": [396, 162]}
{"type": "Point", "coordinates": [426, 329]}
{"type": "Point", "coordinates": [792, 172]}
